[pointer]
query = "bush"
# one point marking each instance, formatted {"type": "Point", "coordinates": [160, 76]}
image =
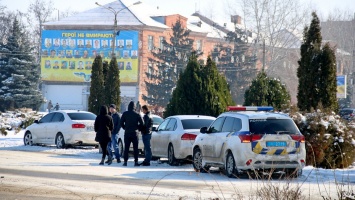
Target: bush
{"type": "Point", "coordinates": [329, 139]}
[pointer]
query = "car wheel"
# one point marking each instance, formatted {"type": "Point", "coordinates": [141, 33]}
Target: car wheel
{"type": "Point", "coordinates": [27, 139]}
{"type": "Point", "coordinates": [230, 166]}
{"type": "Point", "coordinates": [59, 141]}
{"type": "Point", "coordinates": [197, 161]}
{"type": "Point", "coordinates": [294, 173]}
{"type": "Point", "coordinates": [171, 157]}
{"type": "Point", "coordinates": [120, 148]}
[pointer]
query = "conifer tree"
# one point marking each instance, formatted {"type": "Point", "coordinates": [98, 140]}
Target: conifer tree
{"type": "Point", "coordinates": [97, 96]}
{"type": "Point", "coordinates": [316, 72]}
{"type": "Point", "coordinates": [265, 91]}
{"type": "Point", "coordinates": [112, 85]}
{"type": "Point", "coordinates": [200, 90]}
{"type": "Point", "coordinates": [236, 63]}
{"type": "Point", "coordinates": [19, 73]}
{"type": "Point", "coordinates": [169, 61]}
{"type": "Point", "coordinates": [215, 90]}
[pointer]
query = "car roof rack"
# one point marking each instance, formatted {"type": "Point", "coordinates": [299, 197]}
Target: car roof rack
{"type": "Point", "coordinates": [250, 108]}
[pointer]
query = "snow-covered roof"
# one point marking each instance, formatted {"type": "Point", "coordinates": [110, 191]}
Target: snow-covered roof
{"type": "Point", "coordinates": [133, 15]}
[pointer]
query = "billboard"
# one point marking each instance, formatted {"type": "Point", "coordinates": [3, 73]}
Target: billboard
{"type": "Point", "coordinates": [341, 86]}
{"type": "Point", "coordinates": [67, 55]}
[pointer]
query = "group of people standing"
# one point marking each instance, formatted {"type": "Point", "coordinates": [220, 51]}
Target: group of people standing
{"type": "Point", "coordinates": [50, 106]}
{"type": "Point", "coordinates": [107, 127]}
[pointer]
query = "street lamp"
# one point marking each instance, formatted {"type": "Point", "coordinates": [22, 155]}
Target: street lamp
{"type": "Point", "coordinates": [115, 12]}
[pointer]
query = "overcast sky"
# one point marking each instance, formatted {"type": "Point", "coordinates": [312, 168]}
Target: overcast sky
{"type": "Point", "coordinates": [184, 7]}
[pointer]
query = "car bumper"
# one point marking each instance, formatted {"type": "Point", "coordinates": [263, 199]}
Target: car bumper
{"type": "Point", "coordinates": [82, 138]}
{"type": "Point", "coordinates": [184, 150]}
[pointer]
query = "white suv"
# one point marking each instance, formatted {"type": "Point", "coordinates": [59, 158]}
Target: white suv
{"type": "Point", "coordinates": [250, 141]}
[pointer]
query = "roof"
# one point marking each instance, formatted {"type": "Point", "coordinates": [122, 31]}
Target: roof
{"type": "Point", "coordinates": [256, 115]}
{"type": "Point", "coordinates": [137, 15]}
{"type": "Point", "coordinates": [182, 117]}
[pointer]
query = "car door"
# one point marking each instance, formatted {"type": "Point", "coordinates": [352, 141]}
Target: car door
{"type": "Point", "coordinates": [41, 129]}
{"type": "Point", "coordinates": [164, 138]}
{"type": "Point", "coordinates": [209, 139]}
{"type": "Point", "coordinates": [228, 128]}
{"type": "Point", "coordinates": [54, 127]}
{"type": "Point", "coordinates": [156, 148]}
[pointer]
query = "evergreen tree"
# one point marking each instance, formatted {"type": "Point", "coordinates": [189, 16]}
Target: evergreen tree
{"type": "Point", "coordinates": [97, 95]}
{"type": "Point", "coordinates": [215, 90]}
{"type": "Point", "coordinates": [169, 60]}
{"type": "Point", "coordinates": [328, 79]}
{"type": "Point", "coordinates": [265, 91]}
{"type": "Point", "coordinates": [316, 71]}
{"type": "Point", "coordinates": [307, 72]}
{"type": "Point", "coordinates": [236, 63]}
{"type": "Point", "coordinates": [112, 84]}
{"type": "Point", "coordinates": [200, 90]}
{"type": "Point", "coordinates": [19, 73]}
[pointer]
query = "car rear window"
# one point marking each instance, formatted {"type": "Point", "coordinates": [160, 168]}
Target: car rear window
{"type": "Point", "coordinates": [272, 126]}
{"type": "Point", "coordinates": [196, 123]}
{"type": "Point", "coordinates": [82, 116]}
{"type": "Point", "coordinates": [346, 112]}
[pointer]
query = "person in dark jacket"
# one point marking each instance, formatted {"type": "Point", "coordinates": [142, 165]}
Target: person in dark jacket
{"type": "Point", "coordinates": [147, 135]}
{"type": "Point", "coordinates": [131, 122]}
{"type": "Point", "coordinates": [103, 127]}
{"type": "Point", "coordinates": [114, 134]}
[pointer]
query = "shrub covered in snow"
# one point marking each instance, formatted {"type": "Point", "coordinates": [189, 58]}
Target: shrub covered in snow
{"type": "Point", "coordinates": [330, 141]}
{"type": "Point", "coordinates": [18, 119]}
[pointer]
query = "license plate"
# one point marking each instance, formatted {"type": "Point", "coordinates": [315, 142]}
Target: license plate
{"type": "Point", "coordinates": [276, 144]}
{"type": "Point", "coordinates": [90, 128]}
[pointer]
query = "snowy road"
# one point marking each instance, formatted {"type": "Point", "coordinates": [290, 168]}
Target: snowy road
{"type": "Point", "coordinates": [35, 172]}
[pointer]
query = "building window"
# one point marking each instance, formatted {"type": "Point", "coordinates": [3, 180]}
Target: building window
{"type": "Point", "coordinates": [161, 44]}
{"type": "Point", "coordinates": [150, 42]}
{"type": "Point", "coordinates": [199, 45]}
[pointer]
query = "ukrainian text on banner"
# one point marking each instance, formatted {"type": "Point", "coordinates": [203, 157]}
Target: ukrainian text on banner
{"type": "Point", "coordinates": [67, 55]}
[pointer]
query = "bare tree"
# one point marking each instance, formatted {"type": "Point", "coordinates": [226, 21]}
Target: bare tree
{"type": "Point", "coordinates": [41, 11]}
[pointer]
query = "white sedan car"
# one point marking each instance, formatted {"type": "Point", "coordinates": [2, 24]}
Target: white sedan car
{"type": "Point", "coordinates": [175, 136]}
{"type": "Point", "coordinates": [157, 120]}
{"type": "Point", "coordinates": [62, 128]}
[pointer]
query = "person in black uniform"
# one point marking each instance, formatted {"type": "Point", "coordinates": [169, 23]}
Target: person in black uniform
{"type": "Point", "coordinates": [147, 135]}
{"type": "Point", "coordinates": [131, 122]}
{"type": "Point", "coordinates": [103, 127]}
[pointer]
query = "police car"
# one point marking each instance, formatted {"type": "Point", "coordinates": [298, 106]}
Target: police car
{"type": "Point", "coordinates": [246, 140]}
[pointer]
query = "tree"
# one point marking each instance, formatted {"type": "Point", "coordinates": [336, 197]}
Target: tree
{"type": "Point", "coordinates": [200, 91]}
{"type": "Point", "coordinates": [97, 89]}
{"type": "Point", "coordinates": [215, 90]}
{"type": "Point", "coordinates": [41, 12]}
{"type": "Point", "coordinates": [112, 84]}
{"type": "Point", "coordinates": [236, 63]}
{"type": "Point", "coordinates": [316, 71]}
{"type": "Point", "coordinates": [265, 91]}
{"type": "Point", "coordinates": [19, 74]}
{"type": "Point", "coordinates": [169, 60]}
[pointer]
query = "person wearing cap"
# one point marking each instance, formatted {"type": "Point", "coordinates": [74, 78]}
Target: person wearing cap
{"type": "Point", "coordinates": [114, 135]}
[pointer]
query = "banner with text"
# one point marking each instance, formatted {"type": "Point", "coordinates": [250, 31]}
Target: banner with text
{"type": "Point", "coordinates": [67, 55]}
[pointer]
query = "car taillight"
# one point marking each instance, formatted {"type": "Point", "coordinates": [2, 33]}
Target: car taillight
{"type": "Point", "coordinates": [248, 162]}
{"type": "Point", "coordinates": [78, 125]}
{"type": "Point", "coordinates": [188, 136]}
{"type": "Point", "coordinates": [250, 138]}
{"type": "Point", "coordinates": [298, 138]}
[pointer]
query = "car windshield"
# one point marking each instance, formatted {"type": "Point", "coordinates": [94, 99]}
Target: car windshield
{"type": "Point", "coordinates": [157, 120]}
{"type": "Point", "coordinates": [272, 126]}
{"type": "Point", "coordinates": [196, 123]}
{"type": "Point", "coordinates": [82, 116]}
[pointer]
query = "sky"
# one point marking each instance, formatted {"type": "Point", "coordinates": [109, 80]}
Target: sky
{"type": "Point", "coordinates": [184, 7]}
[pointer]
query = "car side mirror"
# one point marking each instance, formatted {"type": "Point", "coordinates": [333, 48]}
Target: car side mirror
{"type": "Point", "coordinates": [36, 121]}
{"type": "Point", "coordinates": [203, 130]}
{"type": "Point", "coordinates": [154, 129]}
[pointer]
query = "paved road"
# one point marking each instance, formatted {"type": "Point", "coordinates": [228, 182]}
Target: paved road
{"type": "Point", "coordinates": [73, 174]}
